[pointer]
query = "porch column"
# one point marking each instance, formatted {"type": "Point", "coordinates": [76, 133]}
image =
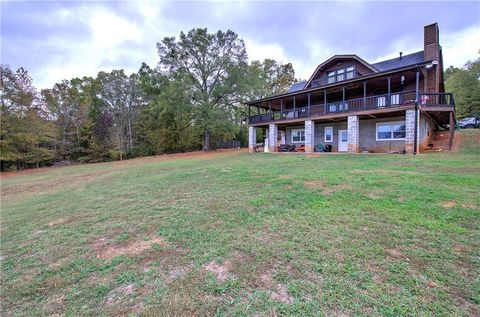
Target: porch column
{"type": "Point", "coordinates": [353, 134]}
{"type": "Point", "coordinates": [365, 95]}
{"type": "Point", "coordinates": [309, 104]}
{"type": "Point", "coordinates": [272, 136]}
{"type": "Point", "coordinates": [294, 105]}
{"type": "Point", "coordinates": [451, 130]}
{"type": "Point", "coordinates": [389, 91]}
{"type": "Point", "coordinates": [410, 131]}
{"type": "Point", "coordinates": [252, 139]}
{"type": "Point", "coordinates": [417, 87]}
{"type": "Point", "coordinates": [309, 136]}
{"type": "Point", "coordinates": [324, 101]}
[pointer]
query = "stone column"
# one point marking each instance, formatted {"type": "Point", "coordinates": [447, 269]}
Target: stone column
{"type": "Point", "coordinates": [272, 136]}
{"type": "Point", "coordinates": [409, 131]}
{"type": "Point", "coordinates": [353, 134]}
{"type": "Point", "coordinates": [309, 136]}
{"type": "Point", "coordinates": [252, 138]}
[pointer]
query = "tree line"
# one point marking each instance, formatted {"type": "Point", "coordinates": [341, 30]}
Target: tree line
{"type": "Point", "coordinates": [464, 83]}
{"type": "Point", "coordinates": [192, 99]}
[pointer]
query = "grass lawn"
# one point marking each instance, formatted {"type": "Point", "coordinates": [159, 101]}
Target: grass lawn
{"type": "Point", "coordinates": [246, 234]}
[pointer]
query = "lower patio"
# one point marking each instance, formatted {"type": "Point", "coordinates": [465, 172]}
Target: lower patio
{"type": "Point", "coordinates": [392, 132]}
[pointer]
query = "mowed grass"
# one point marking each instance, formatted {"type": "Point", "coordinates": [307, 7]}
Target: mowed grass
{"type": "Point", "coordinates": [246, 234]}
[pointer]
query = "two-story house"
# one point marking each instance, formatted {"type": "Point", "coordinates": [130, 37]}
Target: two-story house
{"type": "Point", "coordinates": [350, 105]}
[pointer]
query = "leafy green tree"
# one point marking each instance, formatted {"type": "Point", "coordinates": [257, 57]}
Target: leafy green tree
{"type": "Point", "coordinates": [208, 65]}
{"type": "Point", "coordinates": [464, 83]}
{"type": "Point", "coordinates": [123, 99]}
{"type": "Point", "coordinates": [26, 133]}
{"type": "Point", "coordinates": [268, 78]}
{"type": "Point", "coordinates": [167, 123]}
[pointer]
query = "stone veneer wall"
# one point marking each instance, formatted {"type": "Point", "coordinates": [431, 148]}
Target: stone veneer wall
{"type": "Point", "coordinates": [309, 136]}
{"type": "Point", "coordinates": [410, 130]}
{"type": "Point", "coordinates": [353, 134]}
{"type": "Point", "coordinates": [252, 138]}
{"type": "Point", "coordinates": [272, 136]}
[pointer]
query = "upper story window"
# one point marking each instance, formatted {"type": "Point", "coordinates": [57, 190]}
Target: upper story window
{"type": "Point", "coordinates": [341, 74]}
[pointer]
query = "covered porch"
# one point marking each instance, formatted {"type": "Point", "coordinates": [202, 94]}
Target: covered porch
{"type": "Point", "coordinates": [387, 132]}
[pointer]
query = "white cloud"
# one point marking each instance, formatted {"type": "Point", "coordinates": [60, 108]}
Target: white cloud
{"type": "Point", "coordinates": [460, 47]}
{"type": "Point", "coordinates": [258, 51]}
{"type": "Point", "coordinates": [112, 38]}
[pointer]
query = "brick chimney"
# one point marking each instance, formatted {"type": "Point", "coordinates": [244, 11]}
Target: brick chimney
{"type": "Point", "coordinates": [431, 42]}
{"type": "Point", "coordinates": [431, 52]}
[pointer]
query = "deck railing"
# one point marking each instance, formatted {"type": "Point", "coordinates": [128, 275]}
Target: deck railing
{"type": "Point", "coordinates": [378, 102]}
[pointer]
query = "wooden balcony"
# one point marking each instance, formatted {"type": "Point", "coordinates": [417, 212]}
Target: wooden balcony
{"type": "Point", "coordinates": [359, 105]}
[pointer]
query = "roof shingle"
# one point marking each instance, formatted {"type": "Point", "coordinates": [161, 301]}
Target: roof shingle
{"type": "Point", "coordinates": [406, 60]}
{"type": "Point", "coordinates": [297, 86]}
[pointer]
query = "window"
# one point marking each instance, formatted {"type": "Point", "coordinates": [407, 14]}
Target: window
{"type": "Point", "coordinates": [341, 74]}
{"type": "Point", "coordinates": [350, 72]}
{"type": "Point", "coordinates": [298, 135]}
{"type": "Point", "coordinates": [331, 77]}
{"type": "Point", "coordinates": [328, 134]}
{"type": "Point", "coordinates": [391, 131]}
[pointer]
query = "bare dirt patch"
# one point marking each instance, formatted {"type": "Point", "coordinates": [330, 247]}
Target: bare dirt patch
{"type": "Point", "coordinates": [131, 249]}
{"type": "Point", "coordinates": [278, 291]}
{"type": "Point", "coordinates": [394, 253]}
{"type": "Point", "coordinates": [178, 272]}
{"type": "Point", "coordinates": [266, 280]}
{"type": "Point", "coordinates": [117, 294]}
{"type": "Point", "coordinates": [469, 206]}
{"type": "Point", "coordinates": [314, 184]}
{"type": "Point", "coordinates": [221, 271]}
{"type": "Point", "coordinates": [440, 141]}
{"type": "Point", "coordinates": [280, 294]}
{"type": "Point", "coordinates": [326, 188]}
{"type": "Point", "coordinates": [449, 204]}
{"type": "Point", "coordinates": [56, 222]}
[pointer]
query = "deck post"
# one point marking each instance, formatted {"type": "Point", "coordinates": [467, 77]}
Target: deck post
{"type": "Point", "coordinates": [353, 126]}
{"type": "Point", "coordinates": [325, 101]}
{"type": "Point", "coordinates": [249, 112]}
{"type": "Point", "coordinates": [309, 136]}
{"type": "Point", "coordinates": [417, 87]}
{"type": "Point", "coordinates": [389, 91]}
{"type": "Point", "coordinates": [365, 95]}
{"type": "Point", "coordinates": [272, 136]}
{"type": "Point", "coordinates": [281, 105]}
{"type": "Point", "coordinates": [451, 130]}
{"type": "Point", "coordinates": [294, 105]}
{"type": "Point", "coordinates": [343, 98]}
{"type": "Point", "coordinates": [252, 139]}
{"type": "Point", "coordinates": [309, 104]}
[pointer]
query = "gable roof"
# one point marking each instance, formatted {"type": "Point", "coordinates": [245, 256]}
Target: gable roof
{"type": "Point", "coordinates": [297, 86]}
{"type": "Point", "coordinates": [406, 60]}
{"type": "Point", "coordinates": [334, 57]}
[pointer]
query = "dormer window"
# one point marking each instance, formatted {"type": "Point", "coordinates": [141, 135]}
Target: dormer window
{"type": "Point", "coordinates": [341, 74]}
{"type": "Point", "coordinates": [350, 71]}
{"type": "Point", "coordinates": [331, 77]}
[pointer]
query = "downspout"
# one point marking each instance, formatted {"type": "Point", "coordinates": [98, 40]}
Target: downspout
{"type": "Point", "coordinates": [417, 95]}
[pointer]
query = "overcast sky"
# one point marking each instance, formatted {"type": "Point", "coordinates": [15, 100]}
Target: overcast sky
{"type": "Point", "coordinates": [61, 40]}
